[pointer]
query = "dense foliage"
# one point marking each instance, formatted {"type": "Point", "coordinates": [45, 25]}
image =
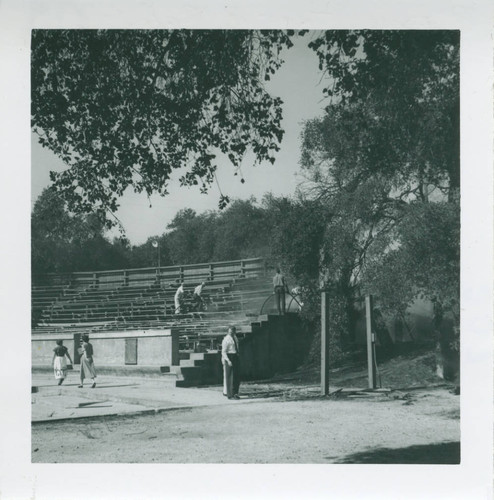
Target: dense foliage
{"type": "Point", "coordinates": [63, 242]}
{"type": "Point", "coordinates": [427, 260]}
{"type": "Point", "coordinates": [384, 161]}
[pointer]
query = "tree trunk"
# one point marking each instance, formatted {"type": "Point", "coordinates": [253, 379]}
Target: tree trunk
{"type": "Point", "coordinates": [454, 167]}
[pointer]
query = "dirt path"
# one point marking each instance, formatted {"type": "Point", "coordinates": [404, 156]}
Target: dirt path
{"type": "Point", "coordinates": [422, 427]}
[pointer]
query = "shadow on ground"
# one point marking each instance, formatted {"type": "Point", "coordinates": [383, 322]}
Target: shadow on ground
{"type": "Point", "coordinates": [442, 453]}
{"type": "Point", "coordinates": [111, 386]}
{"type": "Point", "coordinates": [87, 386]}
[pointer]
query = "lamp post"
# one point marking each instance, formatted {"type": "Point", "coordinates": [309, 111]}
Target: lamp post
{"type": "Point", "coordinates": [156, 244]}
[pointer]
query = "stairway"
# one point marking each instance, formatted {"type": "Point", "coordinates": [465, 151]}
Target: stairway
{"type": "Point", "coordinates": [274, 345]}
{"type": "Point", "coordinates": [199, 368]}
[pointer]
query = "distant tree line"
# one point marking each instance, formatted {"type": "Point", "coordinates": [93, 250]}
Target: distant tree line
{"type": "Point", "coordinates": [276, 228]}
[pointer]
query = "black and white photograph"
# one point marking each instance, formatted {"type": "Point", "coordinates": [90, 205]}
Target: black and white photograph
{"type": "Point", "coordinates": [253, 244]}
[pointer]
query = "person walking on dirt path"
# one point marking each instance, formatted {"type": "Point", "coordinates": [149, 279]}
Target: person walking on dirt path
{"type": "Point", "coordinates": [280, 286]}
{"type": "Point", "coordinates": [59, 362]}
{"type": "Point", "coordinates": [179, 294]}
{"type": "Point", "coordinates": [87, 363]}
{"type": "Point", "coordinates": [230, 356]}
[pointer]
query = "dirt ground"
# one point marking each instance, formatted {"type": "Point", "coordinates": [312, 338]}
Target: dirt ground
{"type": "Point", "coordinates": [285, 421]}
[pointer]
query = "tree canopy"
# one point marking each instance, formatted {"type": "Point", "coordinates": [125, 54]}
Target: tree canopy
{"type": "Point", "coordinates": [384, 161]}
{"type": "Point", "coordinates": [124, 108]}
{"type": "Point", "coordinates": [394, 109]}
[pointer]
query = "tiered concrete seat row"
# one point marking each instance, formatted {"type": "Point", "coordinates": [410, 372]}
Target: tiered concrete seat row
{"type": "Point", "coordinates": [139, 300]}
{"type": "Point", "coordinates": [133, 302]}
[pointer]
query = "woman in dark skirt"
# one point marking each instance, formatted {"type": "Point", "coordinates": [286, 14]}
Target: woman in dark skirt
{"type": "Point", "coordinates": [87, 364]}
{"type": "Point", "coordinates": [59, 362]}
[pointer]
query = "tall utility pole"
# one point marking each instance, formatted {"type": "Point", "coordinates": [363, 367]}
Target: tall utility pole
{"type": "Point", "coordinates": [371, 359]}
{"type": "Point", "coordinates": [324, 343]}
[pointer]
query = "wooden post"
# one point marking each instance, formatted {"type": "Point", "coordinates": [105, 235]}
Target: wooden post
{"type": "Point", "coordinates": [324, 343]}
{"type": "Point", "coordinates": [371, 362]}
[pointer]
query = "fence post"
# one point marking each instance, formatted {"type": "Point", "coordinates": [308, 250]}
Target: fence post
{"type": "Point", "coordinates": [324, 343]}
{"type": "Point", "coordinates": [371, 361]}
{"type": "Point", "coordinates": [211, 272]}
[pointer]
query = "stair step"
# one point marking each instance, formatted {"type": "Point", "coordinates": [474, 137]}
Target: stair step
{"type": "Point", "coordinates": [187, 363]}
{"type": "Point", "coordinates": [192, 371]}
{"type": "Point", "coordinates": [204, 355]}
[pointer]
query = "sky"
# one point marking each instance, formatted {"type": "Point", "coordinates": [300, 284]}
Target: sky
{"type": "Point", "coordinates": [297, 82]}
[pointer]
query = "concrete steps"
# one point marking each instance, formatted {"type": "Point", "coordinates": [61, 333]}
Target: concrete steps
{"type": "Point", "coordinates": [205, 368]}
{"type": "Point", "coordinates": [201, 368]}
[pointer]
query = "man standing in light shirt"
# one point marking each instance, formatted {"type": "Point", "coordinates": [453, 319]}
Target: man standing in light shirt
{"type": "Point", "coordinates": [230, 358]}
{"type": "Point", "coordinates": [279, 285]}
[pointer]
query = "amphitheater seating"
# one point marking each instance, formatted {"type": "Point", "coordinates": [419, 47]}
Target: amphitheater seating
{"type": "Point", "coordinates": [130, 303]}
{"type": "Point", "coordinates": [144, 299]}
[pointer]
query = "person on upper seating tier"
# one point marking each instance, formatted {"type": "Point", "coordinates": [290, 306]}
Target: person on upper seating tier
{"type": "Point", "coordinates": [179, 294]}
{"type": "Point", "coordinates": [230, 357]}
{"type": "Point", "coordinates": [279, 285]}
{"type": "Point", "coordinates": [197, 298]}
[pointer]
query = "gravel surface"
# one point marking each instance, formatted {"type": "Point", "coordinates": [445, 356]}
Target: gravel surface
{"type": "Point", "coordinates": [296, 425]}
